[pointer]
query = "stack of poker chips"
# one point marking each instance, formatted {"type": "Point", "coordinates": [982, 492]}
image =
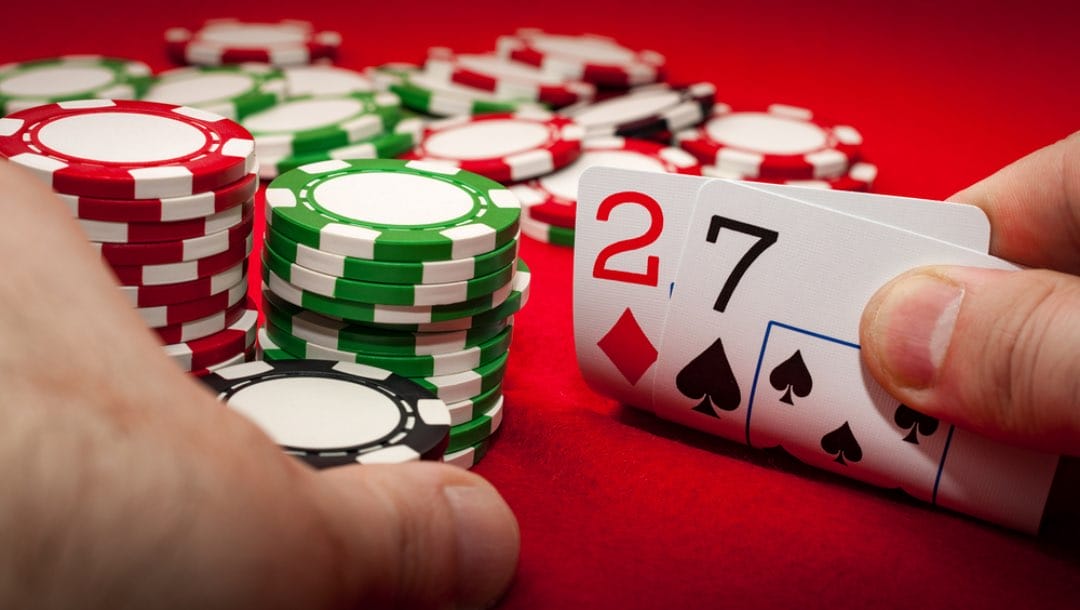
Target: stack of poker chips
{"type": "Point", "coordinates": [780, 145]}
{"type": "Point", "coordinates": [165, 195]}
{"type": "Point", "coordinates": [409, 266]}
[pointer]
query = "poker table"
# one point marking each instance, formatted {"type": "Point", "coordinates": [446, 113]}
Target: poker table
{"type": "Point", "coordinates": [619, 509]}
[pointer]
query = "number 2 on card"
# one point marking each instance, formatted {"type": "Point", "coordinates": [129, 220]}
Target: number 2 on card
{"type": "Point", "coordinates": [651, 275]}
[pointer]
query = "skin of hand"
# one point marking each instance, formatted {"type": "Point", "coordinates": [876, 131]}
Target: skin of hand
{"type": "Point", "coordinates": [997, 352]}
{"type": "Point", "coordinates": [126, 485]}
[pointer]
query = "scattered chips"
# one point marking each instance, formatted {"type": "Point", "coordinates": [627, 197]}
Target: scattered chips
{"type": "Point", "coordinates": [594, 59]}
{"type": "Point", "coordinates": [288, 42]}
{"type": "Point", "coordinates": [506, 78]}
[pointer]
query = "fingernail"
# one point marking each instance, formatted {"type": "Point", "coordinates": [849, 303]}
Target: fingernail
{"type": "Point", "coordinates": [486, 529]}
{"type": "Point", "coordinates": [911, 325]}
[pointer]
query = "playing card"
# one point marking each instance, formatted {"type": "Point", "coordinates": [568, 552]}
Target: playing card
{"type": "Point", "coordinates": [761, 346]}
{"type": "Point", "coordinates": [629, 236]}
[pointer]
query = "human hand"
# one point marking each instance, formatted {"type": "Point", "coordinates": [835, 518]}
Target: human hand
{"type": "Point", "coordinates": [125, 484]}
{"type": "Point", "coordinates": [997, 352]}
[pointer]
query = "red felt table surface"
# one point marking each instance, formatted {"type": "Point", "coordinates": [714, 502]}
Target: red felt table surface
{"type": "Point", "coordinates": [619, 509]}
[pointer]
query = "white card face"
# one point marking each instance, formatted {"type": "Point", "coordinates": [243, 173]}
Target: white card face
{"type": "Point", "coordinates": [621, 294]}
{"type": "Point", "coordinates": [629, 234]}
{"type": "Point", "coordinates": [761, 346]}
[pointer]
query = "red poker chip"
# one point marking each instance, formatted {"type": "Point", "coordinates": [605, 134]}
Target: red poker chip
{"type": "Point", "coordinates": [127, 149]}
{"type": "Point", "coordinates": [170, 209]}
{"type": "Point", "coordinates": [189, 311]}
{"type": "Point", "coordinates": [221, 346]}
{"type": "Point", "coordinates": [506, 147]}
{"type": "Point", "coordinates": [246, 356]}
{"type": "Point", "coordinates": [288, 42]}
{"type": "Point", "coordinates": [587, 57]}
{"type": "Point", "coordinates": [129, 233]}
{"type": "Point", "coordinates": [552, 199]}
{"type": "Point", "coordinates": [175, 273]}
{"type": "Point", "coordinates": [506, 78]}
{"type": "Point", "coordinates": [203, 327]}
{"type": "Point", "coordinates": [783, 143]}
{"type": "Point", "coordinates": [168, 294]}
{"type": "Point", "coordinates": [859, 177]}
{"type": "Point", "coordinates": [164, 252]}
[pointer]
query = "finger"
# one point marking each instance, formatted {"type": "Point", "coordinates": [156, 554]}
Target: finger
{"type": "Point", "coordinates": [1034, 207]}
{"type": "Point", "coordinates": [422, 535]}
{"type": "Point", "coordinates": [993, 351]}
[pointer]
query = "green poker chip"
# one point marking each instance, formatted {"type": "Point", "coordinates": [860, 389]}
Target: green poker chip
{"type": "Point", "coordinates": [469, 409]}
{"type": "Point", "coordinates": [361, 338]}
{"type": "Point", "coordinates": [422, 92]}
{"type": "Point", "coordinates": [389, 272]}
{"type": "Point", "coordinates": [476, 430]}
{"type": "Point", "coordinates": [547, 233]}
{"type": "Point", "coordinates": [519, 295]}
{"type": "Point", "coordinates": [319, 123]}
{"type": "Point", "coordinates": [449, 388]}
{"type": "Point", "coordinates": [73, 77]}
{"type": "Point", "coordinates": [233, 91]}
{"type": "Point", "coordinates": [406, 366]}
{"type": "Point", "coordinates": [391, 210]}
{"type": "Point", "coordinates": [385, 294]}
{"type": "Point", "coordinates": [384, 146]}
{"type": "Point", "coordinates": [470, 456]}
{"type": "Point", "coordinates": [357, 311]}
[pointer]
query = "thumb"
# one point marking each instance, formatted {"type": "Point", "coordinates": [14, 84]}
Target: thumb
{"type": "Point", "coordinates": [420, 535]}
{"type": "Point", "coordinates": [996, 352]}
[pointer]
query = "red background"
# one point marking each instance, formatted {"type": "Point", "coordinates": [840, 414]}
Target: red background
{"type": "Point", "coordinates": [618, 509]}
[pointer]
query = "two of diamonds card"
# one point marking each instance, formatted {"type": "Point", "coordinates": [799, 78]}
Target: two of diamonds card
{"type": "Point", "coordinates": [734, 308]}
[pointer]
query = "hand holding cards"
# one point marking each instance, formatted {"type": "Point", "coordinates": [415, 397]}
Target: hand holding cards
{"type": "Point", "coordinates": [735, 308]}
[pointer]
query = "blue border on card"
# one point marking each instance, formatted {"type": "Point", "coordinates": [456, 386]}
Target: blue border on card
{"type": "Point", "coordinates": [757, 373]}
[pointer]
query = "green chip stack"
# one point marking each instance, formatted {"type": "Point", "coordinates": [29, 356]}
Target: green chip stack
{"type": "Point", "coordinates": [404, 265]}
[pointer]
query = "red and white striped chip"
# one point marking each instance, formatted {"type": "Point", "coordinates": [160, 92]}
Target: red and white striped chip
{"type": "Point", "coordinates": [588, 57]}
{"type": "Point", "coordinates": [189, 311]}
{"type": "Point", "coordinates": [169, 209]}
{"type": "Point", "coordinates": [180, 292]}
{"type": "Point", "coordinates": [203, 327]}
{"type": "Point", "coordinates": [175, 273]}
{"type": "Point", "coordinates": [218, 347]}
{"type": "Point", "coordinates": [289, 42]}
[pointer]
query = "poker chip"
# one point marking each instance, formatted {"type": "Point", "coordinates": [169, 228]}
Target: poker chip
{"type": "Point", "coordinates": [319, 80]}
{"type": "Point", "coordinates": [519, 295]}
{"type": "Point", "coordinates": [390, 272]}
{"type": "Point", "coordinates": [358, 311]}
{"type": "Point", "coordinates": [169, 209]}
{"type": "Point", "coordinates": [175, 273]}
{"type": "Point", "coordinates": [163, 252]}
{"type": "Point", "coordinates": [476, 430]}
{"type": "Point", "coordinates": [783, 142]}
{"type": "Point", "coordinates": [552, 199]}
{"type": "Point", "coordinates": [317, 124]}
{"type": "Point", "coordinates": [179, 292]}
{"type": "Point", "coordinates": [203, 327]}
{"type": "Point", "coordinates": [408, 366]}
{"type": "Point", "coordinates": [386, 294]}
{"type": "Point", "coordinates": [232, 91]}
{"type": "Point", "coordinates": [71, 77]}
{"type": "Point", "coordinates": [142, 232]}
{"type": "Point", "coordinates": [546, 233]}
{"type": "Point", "coordinates": [127, 149]}
{"type": "Point", "coordinates": [361, 338]}
{"type": "Point", "coordinates": [449, 388]}
{"type": "Point", "coordinates": [335, 413]}
{"type": "Point", "coordinates": [587, 57]}
{"type": "Point", "coordinates": [468, 457]}
{"type": "Point", "coordinates": [506, 78]}
{"type": "Point", "coordinates": [386, 209]}
{"type": "Point", "coordinates": [859, 177]}
{"type": "Point", "coordinates": [423, 92]}
{"type": "Point", "coordinates": [650, 109]}
{"type": "Point", "coordinates": [189, 311]}
{"type": "Point", "coordinates": [204, 353]}
{"type": "Point", "coordinates": [383, 146]}
{"type": "Point", "coordinates": [464, 411]}
{"type": "Point", "coordinates": [228, 41]}
{"type": "Point", "coordinates": [246, 356]}
{"type": "Point", "coordinates": [503, 147]}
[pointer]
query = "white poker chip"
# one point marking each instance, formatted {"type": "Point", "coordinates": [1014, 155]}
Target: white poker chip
{"type": "Point", "coordinates": [318, 80]}
{"type": "Point", "coordinates": [71, 77]}
{"type": "Point", "coordinates": [231, 91]}
{"type": "Point", "coordinates": [336, 413]}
